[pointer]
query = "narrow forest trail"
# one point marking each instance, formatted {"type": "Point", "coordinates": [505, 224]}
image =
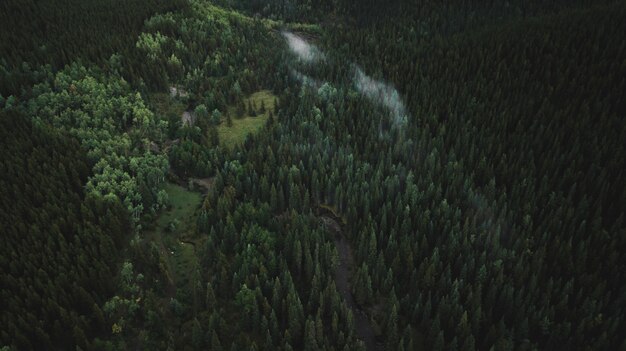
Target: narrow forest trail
{"type": "Point", "coordinates": [343, 275]}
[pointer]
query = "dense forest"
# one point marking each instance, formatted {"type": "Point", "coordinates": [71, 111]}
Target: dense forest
{"type": "Point", "coordinates": [59, 258]}
{"type": "Point", "coordinates": [312, 175]}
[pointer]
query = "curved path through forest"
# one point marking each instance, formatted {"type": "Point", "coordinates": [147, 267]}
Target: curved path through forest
{"type": "Point", "coordinates": [363, 326]}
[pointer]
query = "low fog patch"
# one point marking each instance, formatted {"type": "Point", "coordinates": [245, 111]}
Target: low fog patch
{"type": "Point", "coordinates": [302, 49]}
{"type": "Point", "coordinates": [382, 94]}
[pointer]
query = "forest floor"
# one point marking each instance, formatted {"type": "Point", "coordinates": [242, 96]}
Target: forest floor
{"type": "Point", "coordinates": [204, 184]}
{"type": "Point", "coordinates": [236, 134]}
{"type": "Point", "coordinates": [166, 105]}
{"type": "Point", "coordinates": [343, 275]}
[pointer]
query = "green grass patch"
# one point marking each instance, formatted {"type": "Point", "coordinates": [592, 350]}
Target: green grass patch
{"type": "Point", "coordinates": [179, 257]}
{"type": "Point", "coordinates": [236, 134]}
{"type": "Point", "coordinates": [183, 204]}
{"type": "Point", "coordinates": [185, 266]}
